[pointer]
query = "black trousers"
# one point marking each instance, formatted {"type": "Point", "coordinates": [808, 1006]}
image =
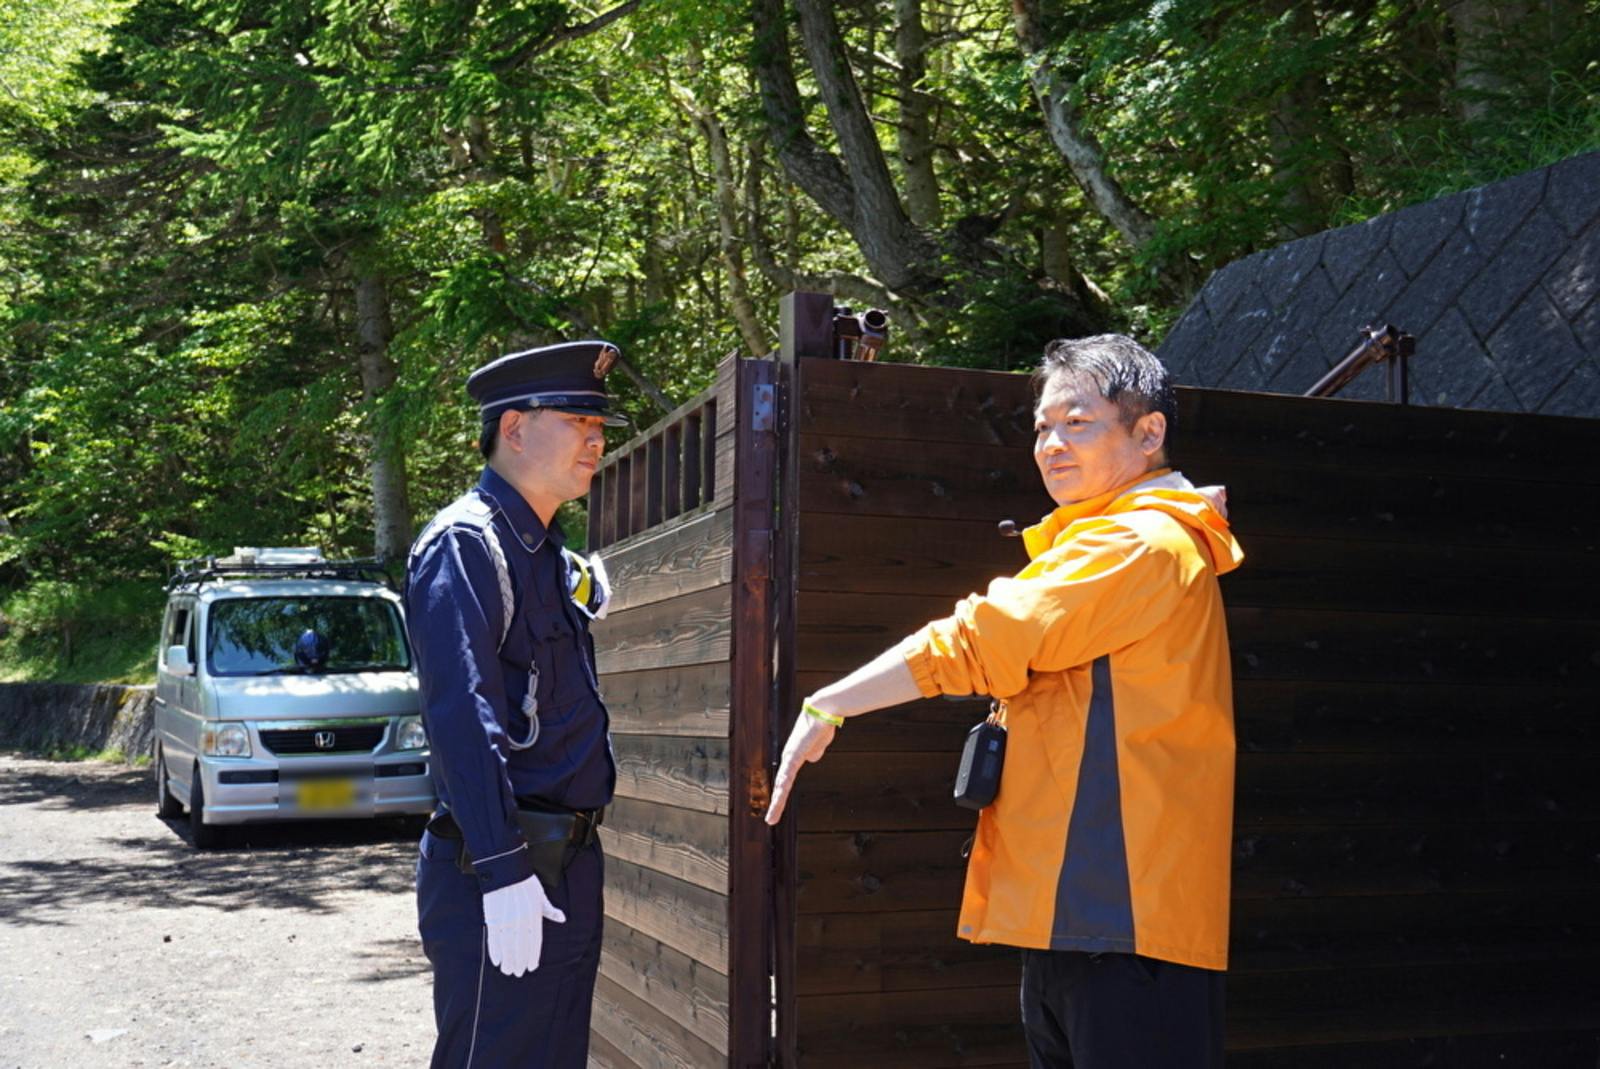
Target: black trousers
{"type": "Point", "coordinates": [1119, 1011]}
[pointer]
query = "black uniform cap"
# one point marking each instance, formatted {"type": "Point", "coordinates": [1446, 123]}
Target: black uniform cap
{"type": "Point", "coordinates": [569, 377]}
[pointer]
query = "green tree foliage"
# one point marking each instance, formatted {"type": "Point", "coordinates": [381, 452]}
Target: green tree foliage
{"type": "Point", "coordinates": [250, 252]}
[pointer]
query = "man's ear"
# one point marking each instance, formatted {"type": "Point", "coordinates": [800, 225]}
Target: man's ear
{"type": "Point", "coordinates": [1151, 432]}
{"type": "Point", "coordinates": [513, 424]}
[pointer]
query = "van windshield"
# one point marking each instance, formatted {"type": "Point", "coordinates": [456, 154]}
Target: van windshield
{"type": "Point", "coordinates": [256, 636]}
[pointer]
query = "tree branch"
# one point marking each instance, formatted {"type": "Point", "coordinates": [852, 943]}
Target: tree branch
{"type": "Point", "coordinates": [541, 45]}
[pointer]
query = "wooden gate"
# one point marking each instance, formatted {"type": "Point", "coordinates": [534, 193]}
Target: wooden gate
{"type": "Point", "coordinates": [1416, 647]}
{"type": "Point", "coordinates": [682, 516]}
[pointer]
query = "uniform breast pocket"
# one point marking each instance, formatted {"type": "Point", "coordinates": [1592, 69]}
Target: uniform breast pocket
{"type": "Point", "coordinates": [556, 658]}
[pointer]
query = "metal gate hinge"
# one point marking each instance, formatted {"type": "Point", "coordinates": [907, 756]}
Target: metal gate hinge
{"type": "Point", "coordinates": [761, 412]}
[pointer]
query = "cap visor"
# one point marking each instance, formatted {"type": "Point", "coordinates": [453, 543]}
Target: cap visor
{"type": "Point", "coordinates": [613, 419]}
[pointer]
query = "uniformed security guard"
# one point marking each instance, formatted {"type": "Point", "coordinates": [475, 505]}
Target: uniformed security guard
{"type": "Point", "coordinates": [509, 881]}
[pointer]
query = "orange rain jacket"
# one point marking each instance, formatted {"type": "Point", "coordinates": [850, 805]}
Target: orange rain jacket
{"type": "Point", "coordinates": [1112, 827]}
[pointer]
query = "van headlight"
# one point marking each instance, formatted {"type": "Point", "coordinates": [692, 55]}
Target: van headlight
{"type": "Point", "coordinates": [225, 740]}
{"type": "Point", "coordinates": [410, 736]}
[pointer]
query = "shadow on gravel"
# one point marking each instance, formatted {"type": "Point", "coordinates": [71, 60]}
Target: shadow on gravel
{"type": "Point", "coordinates": [300, 866]}
{"type": "Point", "coordinates": [392, 959]}
{"type": "Point", "coordinates": [72, 788]}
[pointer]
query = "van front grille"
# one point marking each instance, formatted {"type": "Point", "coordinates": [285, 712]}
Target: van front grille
{"type": "Point", "coordinates": [358, 738]}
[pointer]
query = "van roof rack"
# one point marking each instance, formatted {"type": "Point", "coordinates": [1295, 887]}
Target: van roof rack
{"type": "Point", "coordinates": [276, 562]}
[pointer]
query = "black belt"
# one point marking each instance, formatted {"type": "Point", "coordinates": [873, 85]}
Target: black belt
{"type": "Point", "coordinates": [554, 837]}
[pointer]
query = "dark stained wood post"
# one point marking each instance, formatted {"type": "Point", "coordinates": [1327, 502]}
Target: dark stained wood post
{"type": "Point", "coordinates": [750, 738]}
{"type": "Point", "coordinates": [805, 331]}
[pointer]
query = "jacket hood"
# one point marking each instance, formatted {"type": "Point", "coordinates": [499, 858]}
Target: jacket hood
{"type": "Point", "coordinates": [1204, 510]}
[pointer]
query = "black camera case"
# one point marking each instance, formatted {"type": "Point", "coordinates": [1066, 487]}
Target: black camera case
{"type": "Point", "coordinates": [982, 758]}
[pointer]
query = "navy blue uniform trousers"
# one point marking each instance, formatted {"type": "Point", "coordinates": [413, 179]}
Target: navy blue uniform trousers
{"type": "Point", "coordinates": [486, 1019]}
{"type": "Point", "coordinates": [1119, 1011]}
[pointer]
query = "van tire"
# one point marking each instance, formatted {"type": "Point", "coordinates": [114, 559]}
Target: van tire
{"type": "Point", "coordinates": [204, 836]}
{"type": "Point", "coordinates": [167, 807]}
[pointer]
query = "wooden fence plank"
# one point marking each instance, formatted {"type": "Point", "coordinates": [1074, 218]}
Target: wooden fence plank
{"type": "Point", "coordinates": [1356, 717]}
{"type": "Point", "coordinates": [1322, 789]}
{"type": "Point", "coordinates": [1395, 1001]}
{"type": "Point", "coordinates": [645, 1035]}
{"type": "Point", "coordinates": [871, 871]}
{"type": "Point", "coordinates": [686, 917]}
{"type": "Point", "coordinates": [680, 987]}
{"type": "Point", "coordinates": [909, 951]}
{"type": "Point", "coordinates": [683, 843]}
{"type": "Point", "coordinates": [1565, 1049]}
{"type": "Point", "coordinates": [691, 555]}
{"type": "Point", "coordinates": [688, 700]}
{"type": "Point", "coordinates": [1298, 644]}
{"type": "Point", "coordinates": [1277, 934]}
{"type": "Point", "coordinates": [602, 1055]}
{"type": "Point", "coordinates": [910, 1030]}
{"type": "Point", "coordinates": [687, 772]}
{"type": "Point", "coordinates": [1416, 858]}
{"type": "Point", "coordinates": [878, 554]}
{"type": "Point", "coordinates": [1363, 436]}
{"type": "Point", "coordinates": [875, 477]}
{"type": "Point", "coordinates": [692, 629]}
{"type": "Point", "coordinates": [1529, 580]}
{"type": "Point", "coordinates": [912, 404]}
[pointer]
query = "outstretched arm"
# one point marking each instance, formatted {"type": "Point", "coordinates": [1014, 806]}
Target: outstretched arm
{"type": "Point", "coordinates": [883, 681]}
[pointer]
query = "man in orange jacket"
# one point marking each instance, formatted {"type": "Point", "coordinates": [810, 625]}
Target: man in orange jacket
{"type": "Point", "coordinates": [1105, 855]}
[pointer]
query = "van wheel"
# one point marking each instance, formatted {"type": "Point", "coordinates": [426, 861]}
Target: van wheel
{"type": "Point", "coordinates": [167, 806]}
{"type": "Point", "coordinates": [205, 836]}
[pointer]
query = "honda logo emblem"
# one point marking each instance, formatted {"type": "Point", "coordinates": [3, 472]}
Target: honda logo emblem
{"type": "Point", "coordinates": [323, 740]}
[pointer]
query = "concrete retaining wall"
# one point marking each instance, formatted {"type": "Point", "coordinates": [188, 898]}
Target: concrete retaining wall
{"type": "Point", "coordinates": [46, 716]}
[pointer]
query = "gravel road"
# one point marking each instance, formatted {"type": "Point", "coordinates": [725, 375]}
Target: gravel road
{"type": "Point", "coordinates": [120, 945]}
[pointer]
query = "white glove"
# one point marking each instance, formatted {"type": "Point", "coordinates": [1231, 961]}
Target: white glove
{"type": "Point", "coordinates": [514, 919]}
{"type": "Point", "coordinates": [808, 741]}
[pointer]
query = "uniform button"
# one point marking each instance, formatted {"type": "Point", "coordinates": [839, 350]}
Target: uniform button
{"type": "Point", "coordinates": [527, 538]}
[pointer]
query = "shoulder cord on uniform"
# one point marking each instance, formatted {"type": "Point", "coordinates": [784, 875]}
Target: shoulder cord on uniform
{"type": "Point", "coordinates": [530, 700]}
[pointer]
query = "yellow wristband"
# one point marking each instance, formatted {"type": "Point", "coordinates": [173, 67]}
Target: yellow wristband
{"type": "Point", "coordinates": [827, 718]}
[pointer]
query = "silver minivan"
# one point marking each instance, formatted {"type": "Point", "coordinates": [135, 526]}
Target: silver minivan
{"type": "Point", "coordinates": [285, 691]}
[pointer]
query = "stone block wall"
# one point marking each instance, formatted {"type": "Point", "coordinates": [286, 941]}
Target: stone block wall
{"type": "Point", "coordinates": [1499, 284]}
{"type": "Point", "coordinates": [40, 717]}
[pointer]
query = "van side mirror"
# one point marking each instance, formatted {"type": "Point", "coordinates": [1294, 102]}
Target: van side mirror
{"type": "Point", "coordinates": [178, 661]}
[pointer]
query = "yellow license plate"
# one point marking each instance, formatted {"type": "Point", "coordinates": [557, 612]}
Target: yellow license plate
{"type": "Point", "coordinates": [327, 793]}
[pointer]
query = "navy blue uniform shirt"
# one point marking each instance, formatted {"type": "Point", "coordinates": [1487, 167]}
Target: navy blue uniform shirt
{"type": "Point", "coordinates": [473, 686]}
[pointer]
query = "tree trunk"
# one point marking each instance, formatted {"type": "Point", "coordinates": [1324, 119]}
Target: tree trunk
{"type": "Point", "coordinates": [921, 271]}
{"type": "Point", "coordinates": [391, 505]}
{"type": "Point", "coordinates": [915, 140]}
{"type": "Point", "coordinates": [1292, 134]}
{"type": "Point", "coordinates": [1060, 268]}
{"type": "Point", "coordinates": [1077, 146]}
{"type": "Point", "coordinates": [1480, 27]}
{"type": "Point", "coordinates": [859, 193]}
{"type": "Point", "coordinates": [727, 198]}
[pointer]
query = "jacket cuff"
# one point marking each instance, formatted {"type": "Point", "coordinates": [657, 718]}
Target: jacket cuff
{"type": "Point", "coordinates": [503, 870]}
{"type": "Point", "coordinates": [920, 661]}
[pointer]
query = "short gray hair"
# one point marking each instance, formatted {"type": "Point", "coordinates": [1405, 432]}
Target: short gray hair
{"type": "Point", "coordinates": [1125, 372]}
